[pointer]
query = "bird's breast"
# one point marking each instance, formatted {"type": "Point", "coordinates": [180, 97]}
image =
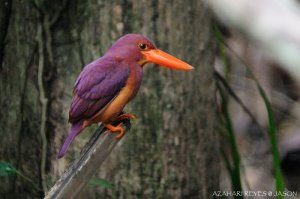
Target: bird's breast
{"type": "Point", "coordinates": [128, 92]}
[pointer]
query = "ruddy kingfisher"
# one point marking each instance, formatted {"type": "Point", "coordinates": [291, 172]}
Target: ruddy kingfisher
{"type": "Point", "coordinates": [106, 85]}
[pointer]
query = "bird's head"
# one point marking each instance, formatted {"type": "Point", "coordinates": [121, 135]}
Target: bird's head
{"type": "Point", "coordinates": [136, 47]}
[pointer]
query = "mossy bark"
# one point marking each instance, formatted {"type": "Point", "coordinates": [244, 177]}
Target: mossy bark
{"type": "Point", "coordinates": [172, 149]}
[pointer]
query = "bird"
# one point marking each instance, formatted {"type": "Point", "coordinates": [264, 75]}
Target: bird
{"type": "Point", "coordinates": [106, 85]}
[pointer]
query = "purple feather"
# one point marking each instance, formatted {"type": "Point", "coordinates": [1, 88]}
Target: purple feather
{"type": "Point", "coordinates": [101, 81]}
{"type": "Point", "coordinates": [73, 131]}
{"type": "Point", "coordinates": [96, 86]}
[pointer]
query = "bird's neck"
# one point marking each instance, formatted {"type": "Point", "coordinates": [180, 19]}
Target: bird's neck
{"type": "Point", "coordinates": [135, 78]}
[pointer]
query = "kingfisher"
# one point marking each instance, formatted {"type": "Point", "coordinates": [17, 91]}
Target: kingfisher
{"type": "Point", "coordinates": [106, 85]}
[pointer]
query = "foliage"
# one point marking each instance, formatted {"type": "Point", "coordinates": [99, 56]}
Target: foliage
{"type": "Point", "coordinates": [272, 129]}
{"type": "Point", "coordinates": [233, 168]}
{"type": "Point", "coordinates": [7, 169]}
{"type": "Point", "coordinates": [100, 182]}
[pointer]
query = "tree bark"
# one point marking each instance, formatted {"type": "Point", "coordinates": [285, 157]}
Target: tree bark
{"type": "Point", "coordinates": [172, 149]}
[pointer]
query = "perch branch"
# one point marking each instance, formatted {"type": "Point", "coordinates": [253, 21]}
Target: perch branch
{"type": "Point", "coordinates": [273, 24]}
{"type": "Point", "coordinates": [85, 166]}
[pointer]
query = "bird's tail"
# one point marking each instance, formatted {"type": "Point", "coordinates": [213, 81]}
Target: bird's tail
{"type": "Point", "coordinates": [73, 131]}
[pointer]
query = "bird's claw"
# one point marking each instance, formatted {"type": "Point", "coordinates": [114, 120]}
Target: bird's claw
{"type": "Point", "coordinates": [116, 128]}
{"type": "Point", "coordinates": [126, 116]}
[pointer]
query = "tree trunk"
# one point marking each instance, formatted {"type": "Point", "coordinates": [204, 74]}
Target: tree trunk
{"type": "Point", "coordinates": [172, 149]}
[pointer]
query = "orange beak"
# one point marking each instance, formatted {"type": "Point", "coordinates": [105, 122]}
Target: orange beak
{"type": "Point", "coordinates": [164, 59]}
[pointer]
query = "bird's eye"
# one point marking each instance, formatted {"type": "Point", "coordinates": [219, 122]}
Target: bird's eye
{"type": "Point", "coordinates": [143, 46]}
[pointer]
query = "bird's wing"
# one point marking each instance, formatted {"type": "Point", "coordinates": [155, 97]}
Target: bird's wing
{"type": "Point", "coordinates": [96, 86]}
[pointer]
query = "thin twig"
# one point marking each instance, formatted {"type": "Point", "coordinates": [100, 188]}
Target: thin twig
{"type": "Point", "coordinates": [43, 101]}
{"type": "Point", "coordinates": [44, 26]}
{"type": "Point", "coordinates": [58, 12]}
{"type": "Point", "coordinates": [235, 97]}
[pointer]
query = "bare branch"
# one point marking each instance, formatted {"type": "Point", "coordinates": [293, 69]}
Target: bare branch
{"type": "Point", "coordinates": [84, 167]}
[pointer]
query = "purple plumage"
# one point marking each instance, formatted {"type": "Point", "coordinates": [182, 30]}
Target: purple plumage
{"type": "Point", "coordinates": [106, 85]}
{"type": "Point", "coordinates": [73, 131]}
{"type": "Point", "coordinates": [96, 86]}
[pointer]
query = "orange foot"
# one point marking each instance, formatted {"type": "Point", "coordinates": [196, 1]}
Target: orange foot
{"type": "Point", "coordinates": [116, 128]}
{"type": "Point", "coordinates": [125, 116]}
